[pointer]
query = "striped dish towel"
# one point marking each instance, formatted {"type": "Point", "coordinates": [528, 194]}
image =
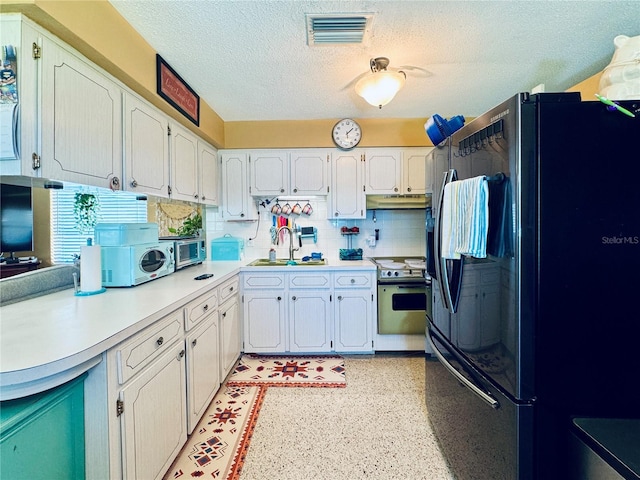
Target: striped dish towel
{"type": "Point", "coordinates": [465, 218]}
{"type": "Point", "coordinates": [450, 221]}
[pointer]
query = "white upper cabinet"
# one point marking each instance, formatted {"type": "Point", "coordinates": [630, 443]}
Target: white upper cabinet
{"type": "Point", "coordinates": [346, 198]}
{"type": "Point", "coordinates": [146, 150]}
{"type": "Point", "coordinates": [19, 123]}
{"type": "Point", "coordinates": [417, 177]}
{"type": "Point", "coordinates": [151, 155]}
{"type": "Point", "coordinates": [269, 173]}
{"type": "Point", "coordinates": [400, 171]}
{"type": "Point", "coordinates": [184, 163]}
{"type": "Point", "coordinates": [208, 178]}
{"type": "Point", "coordinates": [286, 172]}
{"type": "Point", "coordinates": [81, 120]}
{"type": "Point", "coordinates": [236, 200]}
{"type": "Point", "coordinates": [308, 172]}
{"type": "Point", "coordinates": [383, 169]}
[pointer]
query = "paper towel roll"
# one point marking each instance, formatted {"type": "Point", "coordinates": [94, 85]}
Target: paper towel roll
{"type": "Point", "coordinates": [90, 268]}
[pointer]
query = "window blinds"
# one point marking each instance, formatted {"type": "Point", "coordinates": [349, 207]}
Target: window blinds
{"type": "Point", "coordinates": [66, 238]}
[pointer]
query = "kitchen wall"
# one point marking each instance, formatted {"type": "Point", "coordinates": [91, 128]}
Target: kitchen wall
{"type": "Point", "coordinates": [99, 32]}
{"type": "Point", "coordinates": [401, 232]}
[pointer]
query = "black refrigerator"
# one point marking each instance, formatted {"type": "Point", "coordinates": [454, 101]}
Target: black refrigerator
{"type": "Point", "coordinates": [546, 326]}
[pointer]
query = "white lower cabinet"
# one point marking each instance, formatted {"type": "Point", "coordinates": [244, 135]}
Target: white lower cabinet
{"type": "Point", "coordinates": [264, 321]}
{"type": "Point", "coordinates": [309, 303]}
{"type": "Point", "coordinates": [353, 311]}
{"type": "Point", "coordinates": [161, 381]}
{"type": "Point", "coordinates": [153, 421]}
{"type": "Point", "coordinates": [309, 321]}
{"type": "Point", "coordinates": [230, 330]}
{"type": "Point", "coordinates": [203, 368]}
{"type": "Point", "coordinates": [302, 312]}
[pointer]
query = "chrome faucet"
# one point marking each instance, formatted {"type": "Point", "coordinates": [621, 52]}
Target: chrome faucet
{"type": "Point", "coordinates": [291, 249]}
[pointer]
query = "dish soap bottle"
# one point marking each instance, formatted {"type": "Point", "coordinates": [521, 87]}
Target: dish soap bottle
{"type": "Point", "coordinates": [272, 255]}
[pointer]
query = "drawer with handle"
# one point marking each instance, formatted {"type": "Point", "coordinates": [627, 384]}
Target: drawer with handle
{"type": "Point", "coordinates": [139, 351]}
{"type": "Point", "coordinates": [199, 308]}
{"type": "Point", "coordinates": [352, 279]}
{"type": "Point", "coordinates": [229, 289]}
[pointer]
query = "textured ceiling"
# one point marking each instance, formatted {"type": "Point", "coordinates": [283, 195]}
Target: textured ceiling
{"type": "Point", "coordinates": [249, 60]}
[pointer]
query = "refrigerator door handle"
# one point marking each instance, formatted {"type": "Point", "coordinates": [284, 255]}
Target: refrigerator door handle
{"type": "Point", "coordinates": [441, 263]}
{"type": "Point", "coordinates": [15, 131]}
{"type": "Point", "coordinates": [493, 403]}
{"type": "Point", "coordinates": [438, 249]}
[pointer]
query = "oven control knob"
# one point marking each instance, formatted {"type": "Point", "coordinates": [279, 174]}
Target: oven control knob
{"type": "Point", "coordinates": [395, 273]}
{"type": "Point", "coordinates": [388, 274]}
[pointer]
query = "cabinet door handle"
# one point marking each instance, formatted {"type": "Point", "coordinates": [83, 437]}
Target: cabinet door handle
{"type": "Point", "coordinates": [353, 280]}
{"type": "Point", "coordinates": [133, 183]}
{"type": "Point", "coordinates": [279, 298]}
{"type": "Point", "coordinates": [206, 307]}
{"type": "Point", "coordinates": [293, 298]}
{"type": "Point", "coordinates": [181, 354]}
{"type": "Point", "coordinates": [339, 297]}
{"type": "Point", "coordinates": [224, 314]}
{"type": "Point", "coordinates": [231, 289]}
{"type": "Point", "coordinates": [160, 341]}
{"type": "Point", "coordinates": [195, 341]}
{"type": "Point", "coordinates": [408, 189]}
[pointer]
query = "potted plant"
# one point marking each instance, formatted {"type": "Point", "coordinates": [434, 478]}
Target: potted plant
{"type": "Point", "coordinates": [85, 211]}
{"type": "Point", "coordinates": [191, 226]}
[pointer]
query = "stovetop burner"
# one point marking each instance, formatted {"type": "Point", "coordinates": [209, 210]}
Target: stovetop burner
{"type": "Point", "coordinates": [400, 268]}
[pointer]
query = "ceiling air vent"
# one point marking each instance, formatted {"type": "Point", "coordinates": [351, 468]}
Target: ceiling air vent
{"type": "Point", "coordinates": [337, 29]}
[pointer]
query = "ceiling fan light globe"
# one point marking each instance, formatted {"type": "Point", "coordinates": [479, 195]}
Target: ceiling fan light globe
{"type": "Point", "coordinates": [379, 88]}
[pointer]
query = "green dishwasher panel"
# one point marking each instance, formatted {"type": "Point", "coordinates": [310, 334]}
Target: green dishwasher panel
{"type": "Point", "coordinates": [42, 436]}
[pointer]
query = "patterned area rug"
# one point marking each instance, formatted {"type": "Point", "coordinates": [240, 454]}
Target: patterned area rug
{"type": "Point", "coordinates": [217, 447]}
{"type": "Point", "coordinates": [289, 371]}
{"type": "Point", "coordinates": [218, 444]}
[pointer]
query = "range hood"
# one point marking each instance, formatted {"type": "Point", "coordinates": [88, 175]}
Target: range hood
{"type": "Point", "coordinates": [398, 202]}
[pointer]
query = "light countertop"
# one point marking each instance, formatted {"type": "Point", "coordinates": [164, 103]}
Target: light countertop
{"type": "Point", "coordinates": [50, 339]}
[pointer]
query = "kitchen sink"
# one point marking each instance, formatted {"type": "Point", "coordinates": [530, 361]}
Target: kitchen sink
{"type": "Point", "coordinates": [280, 262]}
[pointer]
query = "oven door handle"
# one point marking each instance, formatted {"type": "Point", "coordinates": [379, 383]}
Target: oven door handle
{"type": "Point", "coordinates": [486, 397]}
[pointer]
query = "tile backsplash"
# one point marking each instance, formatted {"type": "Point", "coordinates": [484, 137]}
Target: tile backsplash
{"type": "Point", "coordinates": [401, 232]}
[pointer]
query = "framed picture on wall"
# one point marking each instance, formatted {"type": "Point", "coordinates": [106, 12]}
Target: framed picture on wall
{"type": "Point", "coordinates": [176, 91]}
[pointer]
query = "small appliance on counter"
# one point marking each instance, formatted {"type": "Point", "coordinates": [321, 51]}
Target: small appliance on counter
{"type": "Point", "coordinates": [118, 234]}
{"type": "Point", "coordinates": [132, 253]}
{"type": "Point", "coordinates": [187, 251]}
{"type": "Point", "coordinates": [227, 248]}
{"type": "Point", "coordinates": [131, 265]}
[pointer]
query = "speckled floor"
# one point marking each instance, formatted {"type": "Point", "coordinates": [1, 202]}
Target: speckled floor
{"type": "Point", "coordinates": [375, 428]}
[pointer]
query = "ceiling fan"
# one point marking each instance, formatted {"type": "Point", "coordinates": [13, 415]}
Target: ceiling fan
{"type": "Point", "coordinates": [379, 86]}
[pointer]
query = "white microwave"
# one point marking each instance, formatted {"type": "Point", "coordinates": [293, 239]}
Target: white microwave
{"type": "Point", "coordinates": [130, 265]}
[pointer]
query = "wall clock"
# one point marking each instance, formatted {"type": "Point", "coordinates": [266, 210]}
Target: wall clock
{"type": "Point", "coordinates": [346, 134]}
